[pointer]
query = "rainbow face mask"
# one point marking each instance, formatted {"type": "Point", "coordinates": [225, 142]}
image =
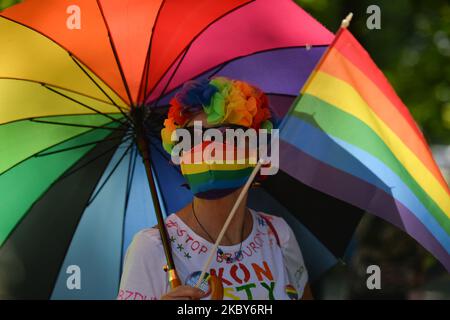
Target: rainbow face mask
{"type": "Point", "coordinates": [214, 170]}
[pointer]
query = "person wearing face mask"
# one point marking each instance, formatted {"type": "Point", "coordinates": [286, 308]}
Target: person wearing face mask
{"type": "Point", "coordinates": [258, 257]}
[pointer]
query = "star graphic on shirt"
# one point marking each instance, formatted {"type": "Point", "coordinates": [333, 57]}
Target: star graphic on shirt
{"type": "Point", "coordinates": [187, 255]}
{"type": "Point", "coordinates": [172, 239]}
{"type": "Point", "coordinates": [180, 247]}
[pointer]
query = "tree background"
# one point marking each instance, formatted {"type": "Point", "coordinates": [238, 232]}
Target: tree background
{"type": "Point", "coordinates": [412, 48]}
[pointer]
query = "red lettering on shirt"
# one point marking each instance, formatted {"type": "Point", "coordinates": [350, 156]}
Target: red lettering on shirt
{"type": "Point", "coordinates": [233, 273]}
{"type": "Point", "coordinates": [220, 276]}
{"type": "Point", "coordinates": [262, 271]}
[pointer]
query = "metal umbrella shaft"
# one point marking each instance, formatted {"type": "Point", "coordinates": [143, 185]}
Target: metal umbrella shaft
{"type": "Point", "coordinates": [142, 144]}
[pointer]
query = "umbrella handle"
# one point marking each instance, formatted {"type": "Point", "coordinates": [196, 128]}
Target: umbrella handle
{"type": "Point", "coordinates": [174, 280]}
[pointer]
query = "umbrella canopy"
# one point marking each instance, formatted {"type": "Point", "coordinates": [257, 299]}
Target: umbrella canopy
{"type": "Point", "coordinates": [72, 74]}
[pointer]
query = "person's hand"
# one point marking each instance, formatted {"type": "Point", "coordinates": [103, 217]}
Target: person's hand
{"type": "Point", "coordinates": [184, 293]}
{"type": "Point", "coordinates": [307, 294]}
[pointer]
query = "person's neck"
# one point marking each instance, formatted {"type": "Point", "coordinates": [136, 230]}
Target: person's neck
{"type": "Point", "coordinates": [212, 215]}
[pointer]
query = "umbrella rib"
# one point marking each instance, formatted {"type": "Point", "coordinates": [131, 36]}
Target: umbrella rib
{"type": "Point", "coordinates": [235, 59]}
{"type": "Point", "coordinates": [144, 80]}
{"type": "Point", "coordinates": [47, 148]}
{"type": "Point", "coordinates": [163, 154]}
{"type": "Point", "coordinates": [54, 115]}
{"type": "Point", "coordinates": [218, 69]}
{"type": "Point", "coordinates": [109, 175]}
{"type": "Point", "coordinates": [171, 76]}
{"type": "Point", "coordinates": [57, 43]}
{"type": "Point", "coordinates": [58, 87]}
{"type": "Point", "coordinates": [82, 104]}
{"type": "Point", "coordinates": [93, 159]}
{"type": "Point", "coordinates": [76, 147]}
{"type": "Point", "coordinates": [113, 47]}
{"type": "Point", "coordinates": [130, 180]}
{"type": "Point", "coordinates": [131, 164]}
{"type": "Point", "coordinates": [195, 38]}
{"type": "Point", "coordinates": [149, 51]}
{"type": "Point", "coordinates": [76, 125]}
{"type": "Point", "coordinates": [100, 88]}
{"type": "Point", "coordinates": [131, 167]}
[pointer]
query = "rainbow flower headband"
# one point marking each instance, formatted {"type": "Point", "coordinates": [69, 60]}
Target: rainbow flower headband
{"type": "Point", "coordinates": [223, 100]}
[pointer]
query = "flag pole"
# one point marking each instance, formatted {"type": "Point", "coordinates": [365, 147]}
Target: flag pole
{"type": "Point", "coordinates": [346, 22]}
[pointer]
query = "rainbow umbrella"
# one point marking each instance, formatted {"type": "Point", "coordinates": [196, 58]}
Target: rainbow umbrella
{"type": "Point", "coordinates": [84, 86]}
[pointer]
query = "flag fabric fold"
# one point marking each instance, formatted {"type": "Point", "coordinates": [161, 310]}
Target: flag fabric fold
{"type": "Point", "coordinates": [355, 139]}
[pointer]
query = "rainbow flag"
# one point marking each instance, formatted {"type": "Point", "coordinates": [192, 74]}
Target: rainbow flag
{"type": "Point", "coordinates": [349, 135]}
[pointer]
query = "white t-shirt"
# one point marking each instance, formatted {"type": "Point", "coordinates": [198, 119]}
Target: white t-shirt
{"type": "Point", "coordinates": [265, 271]}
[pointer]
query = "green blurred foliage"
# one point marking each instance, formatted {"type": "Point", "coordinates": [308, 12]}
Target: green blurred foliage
{"type": "Point", "coordinates": [412, 48]}
{"type": "Point", "coordinates": [7, 3]}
